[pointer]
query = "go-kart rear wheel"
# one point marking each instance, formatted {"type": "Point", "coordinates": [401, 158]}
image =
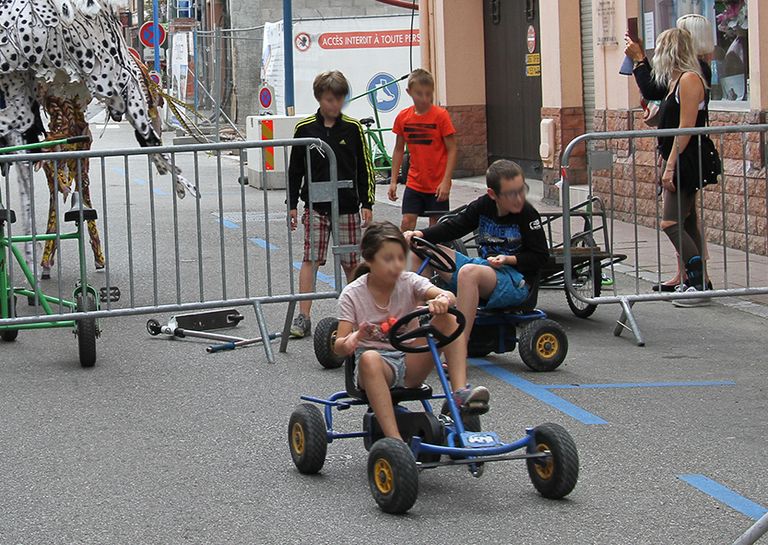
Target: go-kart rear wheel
{"type": "Point", "coordinates": [325, 337]}
{"type": "Point", "coordinates": [587, 282]}
{"type": "Point", "coordinates": [393, 475]}
{"type": "Point", "coordinates": [543, 345]}
{"type": "Point", "coordinates": [87, 331]}
{"type": "Point", "coordinates": [555, 476]}
{"type": "Point", "coordinates": [307, 438]}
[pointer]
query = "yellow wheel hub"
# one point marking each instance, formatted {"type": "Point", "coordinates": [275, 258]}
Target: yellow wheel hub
{"type": "Point", "coordinates": [297, 439]}
{"type": "Point", "coordinates": [382, 474]}
{"type": "Point", "coordinates": [544, 469]}
{"type": "Point", "coordinates": [547, 345]}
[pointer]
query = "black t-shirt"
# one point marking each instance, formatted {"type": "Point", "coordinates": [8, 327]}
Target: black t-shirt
{"type": "Point", "coordinates": [520, 235]}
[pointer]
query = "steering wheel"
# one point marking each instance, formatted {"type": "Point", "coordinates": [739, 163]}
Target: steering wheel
{"type": "Point", "coordinates": [437, 256]}
{"type": "Point", "coordinates": [398, 340]}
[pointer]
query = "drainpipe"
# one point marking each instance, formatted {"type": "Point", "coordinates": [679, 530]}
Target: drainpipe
{"type": "Point", "coordinates": [290, 106]}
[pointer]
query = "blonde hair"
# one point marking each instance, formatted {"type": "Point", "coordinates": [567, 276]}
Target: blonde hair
{"type": "Point", "coordinates": [333, 81]}
{"type": "Point", "coordinates": [674, 54]}
{"type": "Point", "coordinates": [421, 77]}
{"type": "Point", "coordinates": [701, 33]}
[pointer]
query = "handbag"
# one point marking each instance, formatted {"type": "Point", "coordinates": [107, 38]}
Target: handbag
{"type": "Point", "coordinates": [651, 112]}
{"type": "Point", "coordinates": [711, 165]}
{"type": "Point", "coordinates": [691, 178]}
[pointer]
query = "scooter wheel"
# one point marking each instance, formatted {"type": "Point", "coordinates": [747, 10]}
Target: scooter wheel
{"type": "Point", "coordinates": [153, 327]}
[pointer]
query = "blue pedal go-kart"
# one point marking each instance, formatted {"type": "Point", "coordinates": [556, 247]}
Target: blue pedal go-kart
{"type": "Point", "coordinates": [430, 440]}
{"type": "Point", "coordinates": [542, 342]}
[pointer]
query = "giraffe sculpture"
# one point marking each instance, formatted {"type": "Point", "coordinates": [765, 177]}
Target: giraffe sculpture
{"type": "Point", "coordinates": [63, 42]}
{"type": "Point", "coordinates": [67, 119]}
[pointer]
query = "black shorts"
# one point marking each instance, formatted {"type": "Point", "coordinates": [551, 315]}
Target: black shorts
{"type": "Point", "coordinates": [416, 202]}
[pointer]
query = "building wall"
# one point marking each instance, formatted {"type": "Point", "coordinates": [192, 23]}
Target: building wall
{"type": "Point", "coordinates": [562, 90]}
{"type": "Point", "coordinates": [247, 45]}
{"type": "Point", "coordinates": [454, 51]}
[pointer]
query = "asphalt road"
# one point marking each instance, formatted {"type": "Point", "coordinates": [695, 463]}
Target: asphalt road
{"type": "Point", "coordinates": [164, 443]}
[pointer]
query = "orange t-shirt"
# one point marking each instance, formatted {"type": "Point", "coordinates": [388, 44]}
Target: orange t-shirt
{"type": "Point", "coordinates": [425, 135]}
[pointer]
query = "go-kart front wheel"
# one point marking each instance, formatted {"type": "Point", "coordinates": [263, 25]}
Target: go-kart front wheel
{"type": "Point", "coordinates": [307, 439]}
{"type": "Point", "coordinates": [543, 345]}
{"type": "Point", "coordinates": [555, 476]}
{"type": "Point", "coordinates": [325, 338]}
{"type": "Point", "coordinates": [392, 475]}
{"type": "Point", "coordinates": [87, 330]}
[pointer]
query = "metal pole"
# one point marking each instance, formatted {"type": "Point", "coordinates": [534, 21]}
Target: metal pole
{"type": "Point", "coordinates": [140, 22]}
{"type": "Point", "coordinates": [755, 532]}
{"type": "Point", "coordinates": [290, 108]}
{"type": "Point", "coordinates": [156, 33]}
{"type": "Point", "coordinates": [217, 78]}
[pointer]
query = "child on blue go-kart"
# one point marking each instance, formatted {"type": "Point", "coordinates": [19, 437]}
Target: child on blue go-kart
{"type": "Point", "coordinates": [383, 292]}
{"type": "Point", "coordinates": [512, 244]}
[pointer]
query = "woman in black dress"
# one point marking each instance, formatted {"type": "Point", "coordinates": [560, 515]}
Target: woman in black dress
{"type": "Point", "coordinates": [703, 42]}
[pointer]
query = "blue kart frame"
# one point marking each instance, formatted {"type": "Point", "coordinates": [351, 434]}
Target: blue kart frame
{"type": "Point", "coordinates": [393, 465]}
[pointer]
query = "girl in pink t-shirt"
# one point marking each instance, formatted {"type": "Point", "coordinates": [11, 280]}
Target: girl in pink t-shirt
{"type": "Point", "coordinates": [382, 293]}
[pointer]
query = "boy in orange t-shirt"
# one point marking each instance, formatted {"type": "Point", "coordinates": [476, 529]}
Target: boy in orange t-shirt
{"type": "Point", "coordinates": [429, 133]}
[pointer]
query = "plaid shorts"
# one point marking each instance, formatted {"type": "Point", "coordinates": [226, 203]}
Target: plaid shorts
{"type": "Point", "coordinates": [316, 246]}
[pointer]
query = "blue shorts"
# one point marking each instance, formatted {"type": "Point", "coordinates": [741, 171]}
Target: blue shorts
{"type": "Point", "coordinates": [416, 202]}
{"type": "Point", "coordinates": [510, 289]}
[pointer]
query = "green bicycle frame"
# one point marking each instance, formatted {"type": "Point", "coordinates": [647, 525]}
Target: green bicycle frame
{"type": "Point", "coordinates": [8, 250]}
{"type": "Point", "coordinates": [380, 157]}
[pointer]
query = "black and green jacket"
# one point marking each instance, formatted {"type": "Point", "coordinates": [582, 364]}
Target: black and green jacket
{"type": "Point", "coordinates": [354, 163]}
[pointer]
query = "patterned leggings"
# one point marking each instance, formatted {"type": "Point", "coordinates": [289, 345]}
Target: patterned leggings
{"type": "Point", "coordinates": [67, 119]}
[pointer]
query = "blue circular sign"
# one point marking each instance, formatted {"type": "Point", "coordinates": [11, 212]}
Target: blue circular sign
{"type": "Point", "coordinates": [265, 97]}
{"type": "Point", "coordinates": [385, 99]}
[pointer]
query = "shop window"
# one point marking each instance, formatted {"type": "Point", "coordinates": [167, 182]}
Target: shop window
{"type": "Point", "coordinates": [730, 27]}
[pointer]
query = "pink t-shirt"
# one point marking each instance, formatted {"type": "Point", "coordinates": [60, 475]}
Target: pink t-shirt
{"type": "Point", "coordinates": [357, 305]}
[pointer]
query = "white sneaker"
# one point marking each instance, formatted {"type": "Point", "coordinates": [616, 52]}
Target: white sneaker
{"type": "Point", "coordinates": [690, 303]}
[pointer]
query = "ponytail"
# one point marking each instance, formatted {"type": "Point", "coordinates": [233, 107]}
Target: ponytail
{"type": "Point", "coordinates": [360, 270]}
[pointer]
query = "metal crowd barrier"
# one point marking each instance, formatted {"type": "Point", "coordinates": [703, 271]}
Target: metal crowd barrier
{"type": "Point", "coordinates": [725, 210]}
{"type": "Point", "coordinates": [219, 250]}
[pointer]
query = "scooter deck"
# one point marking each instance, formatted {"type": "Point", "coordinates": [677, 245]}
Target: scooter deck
{"type": "Point", "coordinates": [208, 320]}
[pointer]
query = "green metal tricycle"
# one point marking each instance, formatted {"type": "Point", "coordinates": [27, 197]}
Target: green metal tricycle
{"type": "Point", "coordinates": [84, 296]}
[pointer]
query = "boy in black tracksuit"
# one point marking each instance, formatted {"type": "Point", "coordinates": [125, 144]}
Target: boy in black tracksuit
{"type": "Point", "coordinates": [512, 244]}
{"type": "Point", "coordinates": [345, 136]}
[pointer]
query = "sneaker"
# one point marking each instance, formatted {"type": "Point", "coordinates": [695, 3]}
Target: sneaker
{"type": "Point", "coordinates": [301, 327]}
{"type": "Point", "coordinates": [690, 303]}
{"type": "Point", "coordinates": [665, 287]}
{"type": "Point", "coordinates": [606, 280]}
{"type": "Point", "coordinates": [472, 400]}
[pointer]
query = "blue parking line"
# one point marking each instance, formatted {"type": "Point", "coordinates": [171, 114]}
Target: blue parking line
{"type": "Point", "coordinates": [639, 385]}
{"type": "Point", "coordinates": [260, 242]}
{"type": "Point", "coordinates": [725, 495]}
{"type": "Point", "coordinates": [229, 224]}
{"type": "Point", "coordinates": [141, 181]}
{"type": "Point", "coordinates": [322, 277]}
{"type": "Point", "coordinates": [539, 392]}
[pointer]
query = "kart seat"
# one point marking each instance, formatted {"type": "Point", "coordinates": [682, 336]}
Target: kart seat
{"type": "Point", "coordinates": [7, 216]}
{"type": "Point", "coordinates": [367, 121]}
{"type": "Point", "coordinates": [398, 394]}
{"type": "Point", "coordinates": [89, 214]}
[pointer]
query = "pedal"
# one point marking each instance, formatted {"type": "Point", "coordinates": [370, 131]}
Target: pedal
{"type": "Point", "coordinates": [208, 320]}
{"type": "Point", "coordinates": [111, 294]}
